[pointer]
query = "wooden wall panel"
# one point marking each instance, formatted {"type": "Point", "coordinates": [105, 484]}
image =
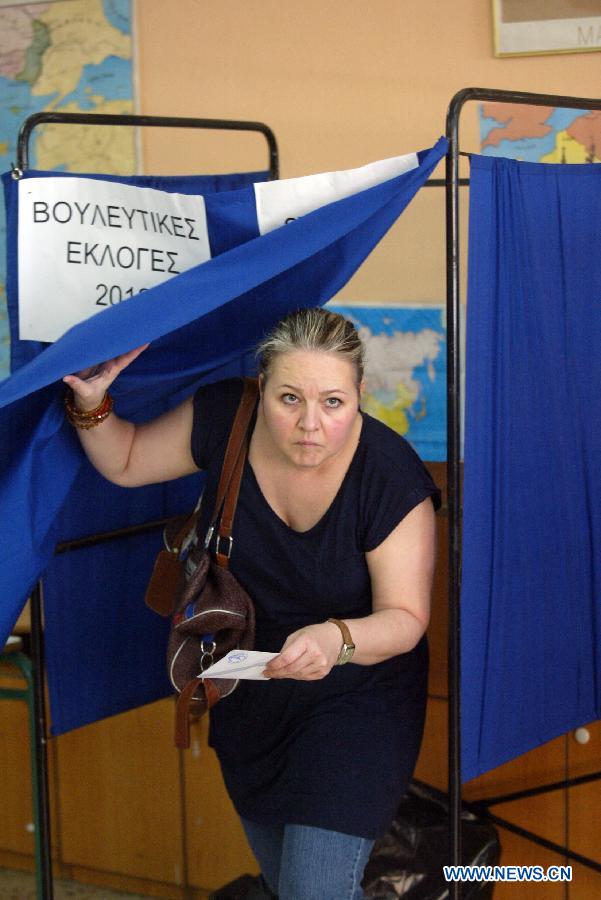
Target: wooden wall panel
{"type": "Point", "coordinates": [16, 782]}
{"type": "Point", "coordinates": [217, 848]}
{"type": "Point", "coordinates": [516, 850]}
{"type": "Point", "coordinates": [120, 797]}
{"type": "Point", "coordinates": [540, 766]}
{"type": "Point", "coordinates": [585, 884]}
{"type": "Point", "coordinates": [584, 758]}
{"type": "Point", "coordinates": [432, 766]}
{"type": "Point", "coordinates": [16, 822]}
{"type": "Point", "coordinates": [544, 815]}
{"type": "Point", "coordinates": [584, 811]}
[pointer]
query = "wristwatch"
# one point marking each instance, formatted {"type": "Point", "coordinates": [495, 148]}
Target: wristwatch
{"type": "Point", "coordinates": [348, 648]}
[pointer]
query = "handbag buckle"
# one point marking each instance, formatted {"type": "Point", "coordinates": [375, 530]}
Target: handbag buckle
{"type": "Point", "coordinates": [207, 649]}
{"type": "Point", "coordinates": [228, 552]}
{"type": "Point", "coordinates": [219, 537]}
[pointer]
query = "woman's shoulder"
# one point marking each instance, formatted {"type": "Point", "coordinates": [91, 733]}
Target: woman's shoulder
{"type": "Point", "coordinates": [219, 396]}
{"type": "Point", "coordinates": [391, 466]}
{"type": "Point", "coordinates": [386, 447]}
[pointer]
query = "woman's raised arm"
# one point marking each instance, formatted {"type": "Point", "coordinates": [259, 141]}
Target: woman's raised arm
{"type": "Point", "coordinates": [128, 454]}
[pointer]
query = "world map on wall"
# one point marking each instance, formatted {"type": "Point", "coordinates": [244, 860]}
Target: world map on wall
{"type": "Point", "coordinates": [540, 133]}
{"type": "Point", "coordinates": [405, 371]}
{"type": "Point", "coordinates": [64, 56]}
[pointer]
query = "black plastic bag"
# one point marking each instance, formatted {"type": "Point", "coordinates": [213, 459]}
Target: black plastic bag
{"type": "Point", "coordinates": [247, 887]}
{"type": "Point", "coordinates": [407, 862]}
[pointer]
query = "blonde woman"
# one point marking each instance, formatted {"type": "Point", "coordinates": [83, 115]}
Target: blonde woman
{"type": "Point", "coordinates": [334, 539]}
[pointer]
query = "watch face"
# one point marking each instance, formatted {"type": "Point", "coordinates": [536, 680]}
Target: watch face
{"type": "Point", "coordinates": [346, 653]}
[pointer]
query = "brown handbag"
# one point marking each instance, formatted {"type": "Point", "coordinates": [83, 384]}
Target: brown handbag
{"type": "Point", "coordinates": [212, 613]}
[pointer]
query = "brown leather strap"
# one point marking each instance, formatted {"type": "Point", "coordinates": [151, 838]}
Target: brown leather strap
{"type": "Point", "coordinates": [182, 714]}
{"type": "Point", "coordinates": [231, 472]}
{"type": "Point", "coordinates": [346, 635]}
{"type": "Point", "coordinates": [229, 506]}
{"type": "Point", "coordinates": [182, 708]}
{"type": "Point", "coordinates": [236, 440]}
{"type": "Point", "coordinates": [211, 692]}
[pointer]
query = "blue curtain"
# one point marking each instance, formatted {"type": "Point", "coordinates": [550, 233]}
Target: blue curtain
{"type": "Point", "coordinates": [531, 559]}
{"type": "Point", "coordinates": [105, 650]}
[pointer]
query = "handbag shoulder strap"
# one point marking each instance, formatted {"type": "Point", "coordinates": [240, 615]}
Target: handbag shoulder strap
{"type": "Point", "coordinates": [231, 473]}
{"type": "Point", "coordinates": [236, 440]}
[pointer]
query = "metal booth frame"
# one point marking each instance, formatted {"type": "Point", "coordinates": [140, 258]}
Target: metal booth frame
{"type": "Point", "coordinates": [452, 183]}
{"type": "Point", "coordinates": [44, 883]}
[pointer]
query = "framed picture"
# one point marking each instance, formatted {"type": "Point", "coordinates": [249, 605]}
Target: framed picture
{"type": "Point", "coordinates": [528, 27]}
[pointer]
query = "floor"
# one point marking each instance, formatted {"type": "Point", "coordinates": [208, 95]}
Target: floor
{"type": "Point", "coordinates": [21, 886]}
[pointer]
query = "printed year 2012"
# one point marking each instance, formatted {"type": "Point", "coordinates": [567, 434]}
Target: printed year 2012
{"type": "Point", "coordinates": [111, 294]}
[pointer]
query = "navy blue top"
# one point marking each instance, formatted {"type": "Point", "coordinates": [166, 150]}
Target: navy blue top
{"type": "Point", "coordinates": [335, 753]}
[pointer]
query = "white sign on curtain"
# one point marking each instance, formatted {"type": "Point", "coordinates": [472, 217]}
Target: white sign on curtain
{"type": "Point", "coordinates": [87, 244]}
{"type": "Point", "coordinates": [280, 202]}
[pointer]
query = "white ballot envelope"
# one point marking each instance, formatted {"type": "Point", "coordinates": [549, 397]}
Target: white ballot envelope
{"type": "Point", "coordinates": [240, 664]}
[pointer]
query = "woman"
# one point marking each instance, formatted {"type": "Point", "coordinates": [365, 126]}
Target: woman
{"type": "Point", "coordinates": [335, 521]}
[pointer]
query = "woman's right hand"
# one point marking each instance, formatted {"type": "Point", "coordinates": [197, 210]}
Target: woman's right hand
{"type": "Point", "coordinates": [90, 385]}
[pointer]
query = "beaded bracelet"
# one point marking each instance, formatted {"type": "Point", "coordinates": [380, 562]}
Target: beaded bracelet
{"type": "Point", "coordinates": [88, 418]}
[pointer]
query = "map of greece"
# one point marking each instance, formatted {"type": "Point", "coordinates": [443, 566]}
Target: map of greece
{"type": "Point", "coordinates": [67, 56]}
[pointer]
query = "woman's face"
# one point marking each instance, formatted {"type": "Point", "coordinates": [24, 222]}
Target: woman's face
{"type": "Point", "coordinates": [309, 404]}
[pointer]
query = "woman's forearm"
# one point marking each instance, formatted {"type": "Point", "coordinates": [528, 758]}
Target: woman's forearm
{"type": "Point", "coordinates": [312, 651]}
{"type": "Point", "coordinates": [133, 455]}
{"type": "Point", "coordinates": [384, 634]}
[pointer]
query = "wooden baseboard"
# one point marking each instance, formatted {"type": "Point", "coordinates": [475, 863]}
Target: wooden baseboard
{"type": "Point", "coordinates": [20, 861]}
{"type": "Point", "coordinates": [25, 862]}
{"type": "Point", "coordinates": [131, 884]}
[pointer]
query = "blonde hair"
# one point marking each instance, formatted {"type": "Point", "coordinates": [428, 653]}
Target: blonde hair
{"type": "Point", "coordinates": [312, 328]}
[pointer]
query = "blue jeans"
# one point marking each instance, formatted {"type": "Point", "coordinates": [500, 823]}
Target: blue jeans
{"type": "Point", "coordinates": [300, 862]}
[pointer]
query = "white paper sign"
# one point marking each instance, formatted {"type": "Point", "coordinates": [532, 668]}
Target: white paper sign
{"type": "Point", "coordinates": [280, 202]}
{"type": "Point", "coordinates": [240, 664]}
{"type": "Point", "coordinates": [87, 244]}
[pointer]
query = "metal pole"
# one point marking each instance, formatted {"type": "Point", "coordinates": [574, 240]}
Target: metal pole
{"type": "Point", "coordinates": [453, 492]}
{"type": "Point", "coordinates": [41, 792]}
{"type": "Point", "coordinates": [158, 121]}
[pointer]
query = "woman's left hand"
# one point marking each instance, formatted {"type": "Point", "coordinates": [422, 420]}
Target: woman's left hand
{"type": "Point", "coordinates": [308, 653]}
